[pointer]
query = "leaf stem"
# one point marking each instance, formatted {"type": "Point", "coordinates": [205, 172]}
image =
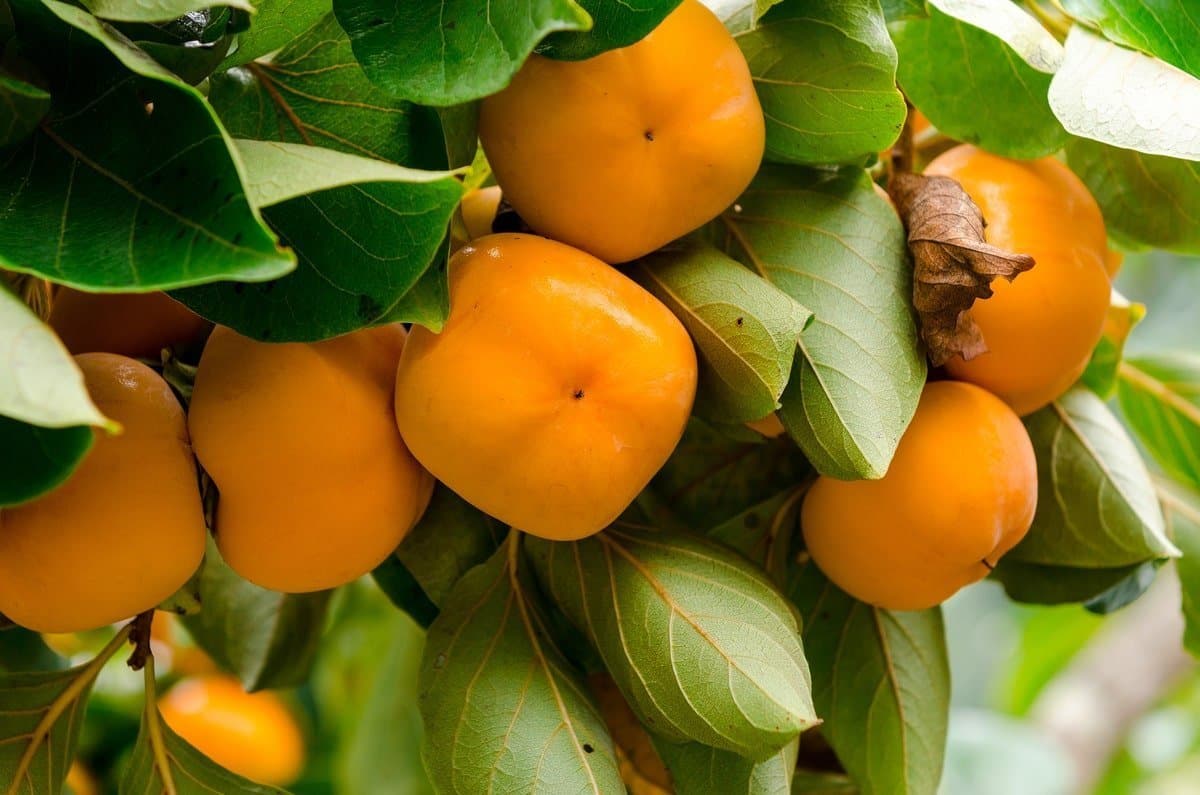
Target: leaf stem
{"type": "Point", "coordinates": [154, 732]}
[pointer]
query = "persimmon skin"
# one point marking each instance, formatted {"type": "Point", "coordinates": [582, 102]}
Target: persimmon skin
{"type": "Point", "coordinates": [125, 531]}
{"type": "Point", "coordinates": [252, 734]}
{"type": "Point", "coordinates": [479, 211]}
{"type": "Point", "coordinates": [556, 390]}
{"type": "Point", "coordinates": [960, 492]}
{"type": "Point", "coordinates": [316, 486]}
{"type": "Point", "coordinates": [1041, 328]}
{"type": "Point", "coordinates": [138, 325]}
{"type": "Point", "coordinates": [624, 152]}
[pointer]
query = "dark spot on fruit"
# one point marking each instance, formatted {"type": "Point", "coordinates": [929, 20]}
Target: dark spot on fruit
{"type": "Point", "coordinates": [577, 394]}
{"type": "Point", "coordinates": [587, 748]}
{"type": "Point", "coordinates": [649, 135]}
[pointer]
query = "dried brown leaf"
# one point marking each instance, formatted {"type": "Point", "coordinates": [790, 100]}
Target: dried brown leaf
{"type": "Point", "coordinates": [954, 265]}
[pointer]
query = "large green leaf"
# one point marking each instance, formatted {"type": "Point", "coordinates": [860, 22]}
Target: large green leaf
{"type": "Point", "coordinates": [1182, 509]}
{"type": "Point", "coordinates": [1146, 199]}
{"type": "Point", "coordinates": [1160, 400]}
{"type": "Point", "coordinates": [881, 680]}
{"type": "Point", "coordinates": [975, 88]}
{"type": "Point", "coordinates": [763, 532]}
{"type": "Point", "coordinates": [700, 770]}
{"type": "Point", "coordinates": [25, 650]}
{"type": "Point", "coordinates": [1011, 24]}
{"type": "Point", "coordinates": [275, 23]}
{"type": "Point", "coordinates": [710, 478]}
{"type": "Point", "coordinates": [503, 710]}
{"type": "Point", "coordinates": [825, 71]}
{"type": "Point", "coordinates": [1053, 585]}
{"type": "Point", "coordinates": [827, 240]}
{"type": "Point", "coordinates": [1126, 98]}
{"type": "Point", "coordinates": [43, 385]}
{"type": "Point", "coordinates": [745, 328]}
{"type": "Point", "coordinates": [156, 10]}
{"type": "Point", "coordinates": [450, 51]}
{"type": "Point", "coordinates": [1096, 504]}
{"type": "Point", "coordinates": [22, 106]}
{"type": "Point", "coordinates": [365, 232]}
{"type": "Point", "coordinates": [192, 46]}
{"type": "Point", "coordinates": [402, 589]}
{"type": "Point", "coordinates": [313, 92]}
{"type": "Point", "coordinates": [1166, 29]}
{"type": "Point", "coordinates": [164, 763]}
{"type": "Point", "coordinates": [37, 459]}
{"type": "Point", "coordinates": [266, 638]}
{"type": "Point", "coordinates": [700, 643]}
{"type": "Point", "coordinates": [100, 196]}
{"type": "Point", "coordinates": [40, 717]}
{"type": "Point", "coordinates": [616, 23]}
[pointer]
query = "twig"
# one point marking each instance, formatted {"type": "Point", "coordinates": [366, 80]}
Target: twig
{"type": "Point", "coordinates": [139, 636]}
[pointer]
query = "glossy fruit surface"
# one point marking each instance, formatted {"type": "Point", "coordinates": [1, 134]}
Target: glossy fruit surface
{"type": "Point", "coordinates": [316, 485]}
{"type": "Point", "coordinates": [555, 392]}
{"type": "Point", "coordinates": [125, 531]}
{"type": "Point", "coordinates": [131, 324]}
{"type": "Point", "coordinates": [1039, 329]}
{"type": "Point", "coordinates": [624, 152]}
{"type": "Point", "coordinates": [251, 734]}
{"type": "Point", "coordinates": [960, 492]}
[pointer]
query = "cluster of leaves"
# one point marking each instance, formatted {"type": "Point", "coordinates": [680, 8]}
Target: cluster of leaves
{"type": "Point", "coordinates": [289, 169]}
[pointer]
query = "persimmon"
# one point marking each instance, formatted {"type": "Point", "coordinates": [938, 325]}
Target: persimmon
{"type": "Point", "coordinates": [960, 492]}
{"type": "Point", "coordinates": [556, 390]}
{"type": "Point", "coordinates": [316, 486]}
{"type": "Point", "coordinates": [1041, 328]}
{"type": "Point", "coordinates": [80, 781]}
{"type": "Point", "coordinates": [253, 735]}
{"type": "Point", "coordinates": [478, 210]}
{"type": "Point", "coordinates": [127, 528]}
{"type": "Point", "coordinates": [131, 324]}
{"type": "Point", "coordinates": [624, 152]}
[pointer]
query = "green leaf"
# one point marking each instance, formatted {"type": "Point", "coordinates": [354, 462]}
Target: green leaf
{"type": "Point", "coordinates": [402, 590]}
{"type": "Point", "coordinates": [43, 386]}
{"type": "Point", "coordinates": [1182, 509]}
{"type": "Point", "coordinates": [37, 459]}
{"type": "Point", "coordinates": [1165, 30]}
{"type": "Point", "coordinates": [700, 770]}
{"type": "Point", "coordinates": [1096, 505]}
{"type": "Point", "coordinates": [365, 232]}
{"type": "Point", "coordinates": [1054, 585]}
{"type": "Point", "coordinates": [616, 23]}
{"type": "Point", "coordinates": [100, 197]}
{"type": "Point", "coordinates": [745, 327]}
{"type": "Point", "coordinates": [25, 650]}
{"type": "Point", "coordinates": [156, 10]}
{"type": "Point", "coordinates": [22, 106]}
{"type": "Point", "coordinates": [975, 88]}
{"type": "Point", "coordinates": [1101, 373]}
{"type": "Point", "coordinates": [1125, 98]}
{"type": "Point", "coordinates": [191, 46]}
{"type": "Point", "coordinates": [710, 478]}
{"type": "Point", "coordinates": [700, 643]}
{"type": "Point", "coordinates": [1146, 199]}
{"type": "Point", "coordinates": [313, 92]}
{"type": "Point", "coordinates": [1126, 591]}
{"type": "Point", "coordinates": [1160, 400]}
{"type": "Point", "coordinates": [825, 71]}
{"type": "Point", "coordinates": [40, 717]}
{"type": "Point", "coordinates": [812, 782]}
{"type": "Point", "coordinates": [275, 23]}
{"type": "Point", "coordinates": [1012, 25]}
{"type": "Point", "coordinates": [896, 10]}
{"type": "Point", "coordinates": [265, 638]}
{"type": "Point", "coordinates": [503, 710]}
{"type": "Point", "coordinates": [459, 124]}
{"type": "Point", "coordinates": [450, 51]}
{"type": "Point", "coordinates": [451, 538]}
{"type": "Point", "coordinates": [163, 762]}
{"type": "Point", "coordinates": [881, 680]}
{"type": "Point", "coordinates": [763, 532]}
{"type": "Point", "coordinates": [827, 240]}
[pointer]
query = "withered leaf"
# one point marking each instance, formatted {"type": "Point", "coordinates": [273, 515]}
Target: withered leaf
{"type": "Point", "coordinates": [954, 265]}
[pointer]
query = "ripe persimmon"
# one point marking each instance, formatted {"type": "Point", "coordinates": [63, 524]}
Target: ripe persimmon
{"type": "Point", "coordinates": [131, 324]}
{"type": "Point", "coordinates": [960, 492]}
{"type": "Point", "coordinates": [1041, 328]}
{"type": "Point", "coordinates": [556, 390]}
{"type": "Point", "coordinates": [125, 531]}
{"type": "Point", "coordinates": [478, 210]}
{"type": "Point", "coordinates": [624, 152]}
{"type": "Point", "coordinates": [251, 734]}
{"type": "Point", "coordinates": [316, 485]}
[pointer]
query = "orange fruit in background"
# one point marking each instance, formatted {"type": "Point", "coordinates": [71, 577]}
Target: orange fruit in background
{"type": "Point", "coordinates": [316, 486]}
{"type": "Point", "coordinates": [131, 324]}
{"type": "Point", "coordinates": [80, 781]}
{"type": "Point", "coordinates": [624, 152]}
{"type": "Point", "coordinates": [254, 735]}
{"type": "Point", "coordinates": [556, 390]}
{"type": "Point", "coordinates": [1041, 328]}
{"type": "Point", "coordinates": [127, 528]}
{"type": "Point", "coordinates": [479, 211]}
{"type": "Point", "coordinates": [960, 492]}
